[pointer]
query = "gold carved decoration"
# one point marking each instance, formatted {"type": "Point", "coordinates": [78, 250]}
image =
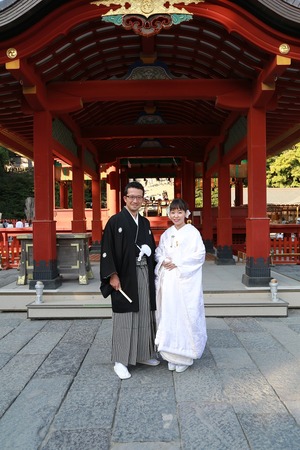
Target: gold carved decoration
{"type": "Point", "coordinates": [284, 49]}
{"type": "Point", "coordinates": [145, 7]}
{"type": "Point", "coordinates": [11, 53]}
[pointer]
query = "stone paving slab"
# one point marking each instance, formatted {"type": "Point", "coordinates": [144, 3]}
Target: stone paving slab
{"type": "Point", "coordinates": [151, 416]}
{"type": "Point", "coordinates": [87, 405]}
{"type": "Point", "coordinates": [271, 431]}
{"type": "Point", "coordinates": [232, 358]}
{"type": "Point", "coordinates": [58, 389]}
{"type": "Point", "coordinates": [14, 377]}
{"type": "Point", "coordinates": [249, 392]}
{"type": "Point", "coordinates": [26, 423]}
{"type": "Point", "coordinates": [78, 440]}
{"type": "Point", "coordinates": [210, 426]}
{"type": "Point", "coordinates": [201, 385]}
{"type": "Point", "coordinates": [8, 276]}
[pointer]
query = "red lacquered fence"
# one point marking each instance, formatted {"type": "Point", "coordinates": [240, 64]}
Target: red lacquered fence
{"type": "Point", "coordinates": [285, 251]}
{"type": "Point", "coordinates": [10, 253]}
{"type": "Point", "coordinates": [282, 251]}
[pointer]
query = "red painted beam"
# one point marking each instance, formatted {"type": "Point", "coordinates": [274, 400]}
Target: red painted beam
{"type": "Point", "coordinates": [130, 90]}
{"type": "Point", "coordinates": [285, 141]}
{"type": "Point", "coordinates": [33, 89]}
{"type": "Point", "coordinates": [275, 69]}
{"type": "Point", "coordinates": [64, 104]}
{"type": "Point", "coordinates": [72, 125]}
{"type": "Point", "coordinates": [107, 157]}
{"type": "Point", "coordinates": [265, 88]}
{"type": "Point", "coordinates": [15, 143]}
{"type": "Point", "coordinates": [150, 131]}
{"type": "Point", "coordinates": [240, 101]}
{"type": "Point", "coordinates": [236, 153]}
{"type": "Point", "coordinates": [234, 156]}
{"type": "Point", "coordinates": [62, 153]}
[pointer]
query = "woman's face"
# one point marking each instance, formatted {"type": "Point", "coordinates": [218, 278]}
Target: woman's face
{"type": "Point", "coordinates": [178, 217]}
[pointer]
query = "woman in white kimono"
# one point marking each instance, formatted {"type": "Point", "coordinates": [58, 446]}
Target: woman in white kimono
{"type": "Point", "coordinates": [181, 327]}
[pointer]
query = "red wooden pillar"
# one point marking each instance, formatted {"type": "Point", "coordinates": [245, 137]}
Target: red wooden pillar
{"type": "Point", "coordinates": [207, 219]}
{"type": "Point", "coordinates": [178, 182]}
{"type": "Point", "coordinates": [79, 219]}
{"type": "Point", "coordinates": [257, 272]}
{"type": "Point", "coordinates": [96, 222]}
{"type": "Point", "coordinates": [123, 181]}
{"type": "Point", "coordinates": [224, 220]}
{"type": "Point", "coordinates": [44, 230]}
{"type": "Point", "coordinates": [112, 191]}
{"type": "Point", "coordinates": [63, 194]}
{"type": "Point", "coordinates": [238, 189]}
{"type": "Point", "coordinates": [188, 183]}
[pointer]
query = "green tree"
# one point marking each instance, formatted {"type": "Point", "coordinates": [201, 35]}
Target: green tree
{"type": "Point", "coordinates": [199, 195]}
{"type": "Point", "coordinates": [284, 170]}
{"type": "Point", "coordinates": [4, 158]}
{"type": "Point", "coordinates": [15, 188]}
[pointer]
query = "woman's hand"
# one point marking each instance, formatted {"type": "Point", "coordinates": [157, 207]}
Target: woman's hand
{"type": "Point", "coordinates": [168, 264]}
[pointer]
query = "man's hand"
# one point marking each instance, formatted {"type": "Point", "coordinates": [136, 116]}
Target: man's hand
{"type": "Point", "coordinates": [115, 281]}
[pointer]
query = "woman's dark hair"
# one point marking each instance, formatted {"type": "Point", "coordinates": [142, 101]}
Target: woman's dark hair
{"type": "Point", "coordinates": [179, 203]}
{"type": "Point", "coordinates": [134, 184]}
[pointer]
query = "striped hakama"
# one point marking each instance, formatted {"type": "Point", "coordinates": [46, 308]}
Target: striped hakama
{"type": "Point", "coordinates": [134, 332]}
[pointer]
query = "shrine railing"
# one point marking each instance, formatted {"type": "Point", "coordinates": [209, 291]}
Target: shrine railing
{"type": "Point", "coordinates": [285, 251]}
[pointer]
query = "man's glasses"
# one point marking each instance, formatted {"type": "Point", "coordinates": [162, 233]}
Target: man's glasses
{"type": "Point", "coordinates": [135, 197]}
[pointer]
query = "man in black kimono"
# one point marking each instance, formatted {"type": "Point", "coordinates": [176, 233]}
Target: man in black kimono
{"type": "Point", "coordinates": [127, 267]}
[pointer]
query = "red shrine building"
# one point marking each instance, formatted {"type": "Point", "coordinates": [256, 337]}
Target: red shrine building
{"type": "Point", "coordinates": [182, 90]}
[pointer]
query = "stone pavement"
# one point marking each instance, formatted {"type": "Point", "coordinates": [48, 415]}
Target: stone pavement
{"type": "Point", "coordinates": [58, 389]}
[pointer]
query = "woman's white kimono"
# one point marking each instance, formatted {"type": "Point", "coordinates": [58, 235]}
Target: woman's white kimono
{"type": "Point", "coordinates": [181, 327]}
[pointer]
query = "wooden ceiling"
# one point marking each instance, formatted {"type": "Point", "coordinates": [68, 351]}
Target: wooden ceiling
{"type": "Point", "coordinates": [178, 93]}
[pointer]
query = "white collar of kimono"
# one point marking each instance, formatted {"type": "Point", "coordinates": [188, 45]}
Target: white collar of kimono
{"type": "Point", "coordinates": [136, 219]}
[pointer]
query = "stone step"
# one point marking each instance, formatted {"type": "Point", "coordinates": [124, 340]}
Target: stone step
{"type": "Point", "coordinates": [216, 305]}
{"type": "Point", "coordinates": [92, 304]}
{"type": "Point", "coordinates": [244, 304]}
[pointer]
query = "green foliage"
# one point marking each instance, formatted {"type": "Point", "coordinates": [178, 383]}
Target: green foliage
{"type": "Point", "coordinates": [284, 170]}
{"type": "Point", "coordinates": [15, 188]}
{"type": "Point", "coordinates": [4, 158]}
{"type": "Point", "coordinates": [214, 197]}
{"type": "Point", "coordinates": [198, 197]}
{"type": "Point", "coordinates": [57, 195]}
{"type": "Point", "coordinates": [87, 194]}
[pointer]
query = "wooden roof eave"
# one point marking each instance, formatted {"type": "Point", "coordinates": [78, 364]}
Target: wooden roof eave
{"type": "Point", "coordinates": [63, 18]}
{"type": "Point", "coordinates": [23, 14]}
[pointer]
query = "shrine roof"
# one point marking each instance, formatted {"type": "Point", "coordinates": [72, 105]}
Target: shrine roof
{"type": "Point", "coordinates": [66, 50]}
{"type": "Point", "coordinates": [280, 14]}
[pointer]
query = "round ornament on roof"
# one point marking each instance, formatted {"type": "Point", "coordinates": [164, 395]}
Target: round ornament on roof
{"type": "Point", "coordinates": [11, 53]}
{"type": "Point", "coordinates": [284, 49]}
